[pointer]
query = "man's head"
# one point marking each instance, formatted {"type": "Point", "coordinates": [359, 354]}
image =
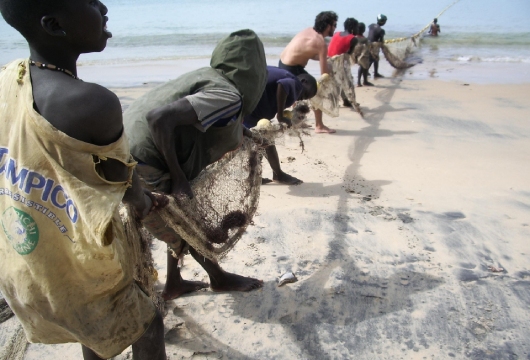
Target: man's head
{"type": "Point", "coordinates": [325, 23]}
{"type": "Point", "coordinates": [351, 26]}
{"type": "Point", "coordinates": [78, 24]}
{"type": "Point", "coordinates": [435, 20]}
{"type": "Point", "coordinates": [309, 86]}
{"type": "Point", "coordinates": [362, 29]}
{"type": "Point", "coordinates": [381, 19]}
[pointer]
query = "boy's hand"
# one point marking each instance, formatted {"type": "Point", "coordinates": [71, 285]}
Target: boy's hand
{"type": "Point", "coordinates": [149, 203]}
{"type": "Point", "coordinates": [181, 188]}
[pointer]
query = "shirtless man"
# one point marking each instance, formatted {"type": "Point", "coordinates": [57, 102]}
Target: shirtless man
{"type": "Point", "coordinates": [377, 34]}
{"type": "Point", "coordinates": [309, 44]}
{"type": "Point", "coordinates": [66, 267]}
{"type": "Point", "coordinates": [435, 28]}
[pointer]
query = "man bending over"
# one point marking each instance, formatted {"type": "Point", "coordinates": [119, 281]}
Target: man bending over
{"type": "Point", "coordinates": [309, 44]}
{"type": "Point", "coordinates": [281, 91]}
{"type": "Point", "coordinates": [182, 126]}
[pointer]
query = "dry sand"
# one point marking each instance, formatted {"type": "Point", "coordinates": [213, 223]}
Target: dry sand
{"type": "Point", "coordinates": [393, 235]}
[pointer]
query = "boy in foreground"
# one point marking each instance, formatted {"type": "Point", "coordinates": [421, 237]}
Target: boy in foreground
{"type": "Point", "coordinates": [65, 167]}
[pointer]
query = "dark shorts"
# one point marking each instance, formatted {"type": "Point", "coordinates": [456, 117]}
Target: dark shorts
{"type": "Point", "coordinates": [293, 69]}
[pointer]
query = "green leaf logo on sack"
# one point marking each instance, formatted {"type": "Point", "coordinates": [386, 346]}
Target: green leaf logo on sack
{"type": "Point", "coordinates": [21, 230]}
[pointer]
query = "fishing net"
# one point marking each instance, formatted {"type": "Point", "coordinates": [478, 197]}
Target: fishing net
{"type": "Point", "coordinates": [340, 80]}
{"type": "Point", "coordinates": [139, 241]}
{"type": "Point", "coordinates": [267, 133]}
{"type": "Point", "coordinates": [225, 201]}
{"type": "Point", "coordinates": [226, 196]}
{"type": "Point", "coordinates": [397, 51]}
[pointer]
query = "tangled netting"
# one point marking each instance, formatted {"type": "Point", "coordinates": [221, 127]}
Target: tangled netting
{"type": "Point", "coordinates": [139, 241]}
{"type": "Point", "coordinates": [267, 134]}
{"type": "Point", "coordinates": [328, 96]}
{"type": "Point", "coordinates": [226, 198]}
{"type": "Point", "coordinates": [397, 51]}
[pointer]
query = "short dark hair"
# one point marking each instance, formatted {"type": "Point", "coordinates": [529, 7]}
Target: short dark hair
{"type": "Point", "coordinates": [324, 19]}
{"type": "Point", "coordinates": [311, 81]}
{"type": "Point", "coordinates": [23, 15]}
{"type": "Point", "coordinates": [350, 25]}
{"type": "Point", "coordinates": [362, 28]}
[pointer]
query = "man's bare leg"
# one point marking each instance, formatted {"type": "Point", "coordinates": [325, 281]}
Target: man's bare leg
{"type": "Point", "coordinates": [320, 128]}
{"type": "Point", "coordinates": [221, 280]}
{"type": "Point", "coordinates": [277, 174]}
{"type": "Point", "coordinates": [150, 346]}
{"type": "Point", "coordinates": [175, 285]}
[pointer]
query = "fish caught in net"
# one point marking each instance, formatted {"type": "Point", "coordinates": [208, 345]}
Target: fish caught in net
{"type": "Point", "coordinates": [339, 80]}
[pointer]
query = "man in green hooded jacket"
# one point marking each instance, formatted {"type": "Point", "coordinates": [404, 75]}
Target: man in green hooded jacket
{"type": "Point", "coordinates": [186, 124]}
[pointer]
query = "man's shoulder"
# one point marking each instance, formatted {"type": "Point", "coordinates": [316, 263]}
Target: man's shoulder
{"type": "Point", "coordinates": [92, 100]}
{"type": "Point", "coordinates": [96, 111]}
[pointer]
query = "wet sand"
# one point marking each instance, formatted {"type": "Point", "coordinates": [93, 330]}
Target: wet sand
{"type": "Point", "coordinates": [409, 238]}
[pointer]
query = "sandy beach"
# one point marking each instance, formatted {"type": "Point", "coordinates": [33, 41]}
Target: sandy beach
{"type": "Point", "coordinates": [409, 236]}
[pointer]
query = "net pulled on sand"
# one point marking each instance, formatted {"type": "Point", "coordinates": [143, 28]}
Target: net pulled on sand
{"type": "Point", "coordinates": [337, 84]}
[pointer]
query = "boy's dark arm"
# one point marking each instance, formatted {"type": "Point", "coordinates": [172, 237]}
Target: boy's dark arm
{"type": "Point", "coordinates": [281, 98]}
{"type": "Point", "coordinates": [353, 44]}
{"type": "Point", "coordinates": [162, 122]}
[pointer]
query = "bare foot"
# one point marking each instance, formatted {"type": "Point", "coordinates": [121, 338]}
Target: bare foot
{"type": "Point", "coordinates": [265, 181]}
{"type": "Point", "coordinates": [377, 75]}
{"type": "Point", "coordinates": [232, 282]}
{"type": "Point", "coordinates": [359, 85]}
{"type": "Point", "coordinates": [325, 130]}
{"type": "Point", "coordinates": [173, 291]}
{"type": "Point", "coordinates": [286, 179]}
{"type": "Point", "coordinates": [367, 83]}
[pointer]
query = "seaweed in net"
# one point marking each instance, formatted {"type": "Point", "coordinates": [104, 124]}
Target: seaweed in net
{"type": "Point", "coordinates": [226, 198]}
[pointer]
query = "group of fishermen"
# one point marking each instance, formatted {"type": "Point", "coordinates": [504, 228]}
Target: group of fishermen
{"type": "Point", "coordinates": [68, 158]}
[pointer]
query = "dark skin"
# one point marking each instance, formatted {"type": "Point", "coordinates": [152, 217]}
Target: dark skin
{"type": "Point", "coordinates": [376, 62]}
{"type": "Point", "coordinates": [163, 122]}
{"type": "Point", "coordinates": [271, 152]}
{"type": "Point", "coordinates": [87, 112]}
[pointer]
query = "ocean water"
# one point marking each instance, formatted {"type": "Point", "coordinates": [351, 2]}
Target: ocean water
{"type": "Point", "coordinates": [473, 31]}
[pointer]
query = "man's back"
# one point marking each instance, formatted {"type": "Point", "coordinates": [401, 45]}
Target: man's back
{"type": "Point", "coordinates": [375, 33]}
{"type": "Point", "coordinates": [306, 45]}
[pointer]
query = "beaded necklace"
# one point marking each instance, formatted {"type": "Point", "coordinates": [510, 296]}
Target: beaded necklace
{"type": "Point", "coordinates": [52, 67]}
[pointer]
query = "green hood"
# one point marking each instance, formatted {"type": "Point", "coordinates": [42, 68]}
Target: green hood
{"type": "Point", "coordinates": [240, 57]}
